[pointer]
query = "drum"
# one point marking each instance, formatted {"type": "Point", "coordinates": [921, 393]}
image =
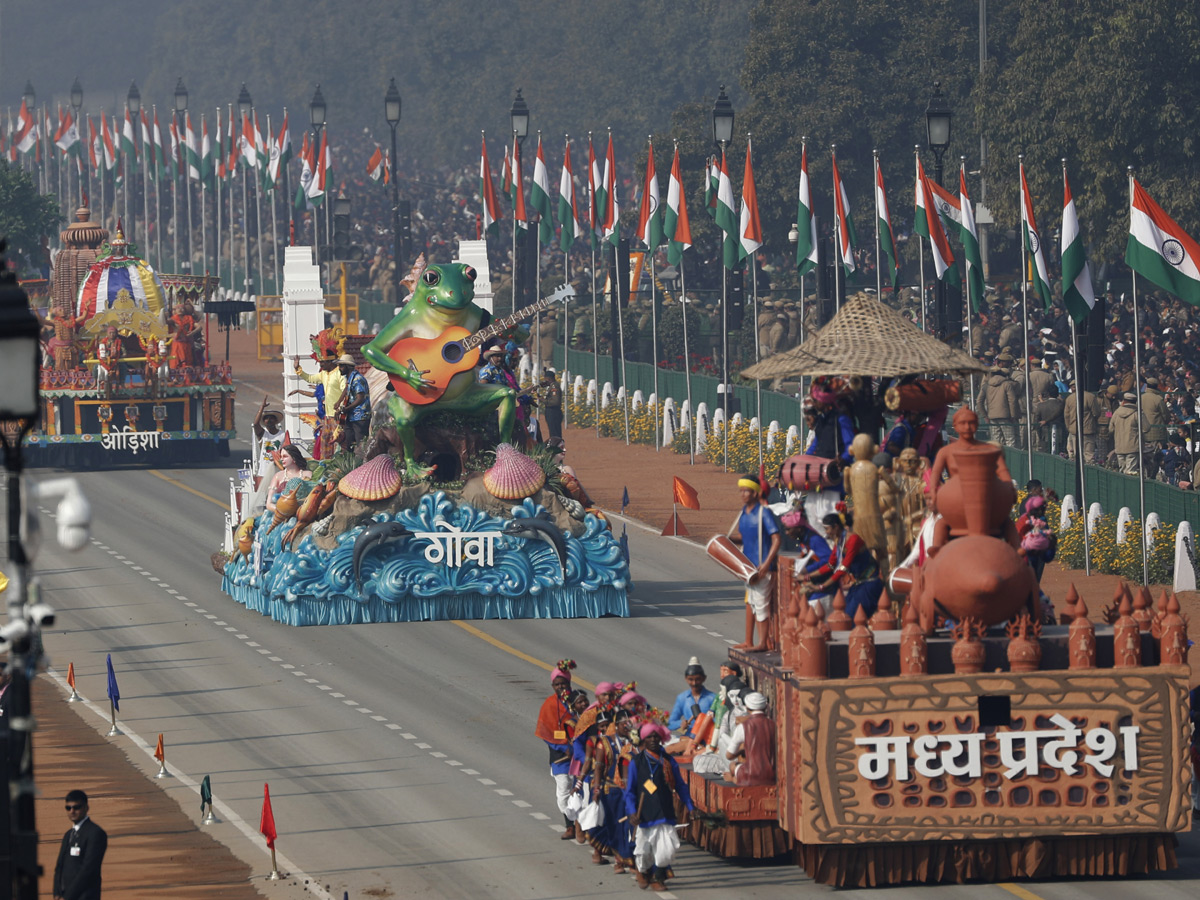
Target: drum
{"type": "Point", "coordinates": [729, 557]}
{"type": "Point", "coordinates": [923, 395]}
{"type": "Point", "coordinates": [808, 473]}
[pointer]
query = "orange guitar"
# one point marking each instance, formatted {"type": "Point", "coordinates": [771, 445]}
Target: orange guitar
{"type": "Point", "coordinates": [455, 350]}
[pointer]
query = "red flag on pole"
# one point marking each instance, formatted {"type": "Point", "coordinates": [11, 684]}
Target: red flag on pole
{"type": "Point", "coordinates": [266, 825]}
{"type": "Point", "coordinates": [71, 666]}
{"type": "Point", "coordinates": [685, 494]}
{"type": "Point", "coordinates": [159, 753]}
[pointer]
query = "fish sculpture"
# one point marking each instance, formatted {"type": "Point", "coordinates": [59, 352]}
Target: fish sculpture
{"type": "Point", "coordinates": [245, 538]}
{"type": "Point", "coordinates": [286, 506]}
{"type": "Point", "coordinates": [377, 533]}
{"type": "Point", "coordinates": [541, 530]}
{"type": "Point", "coordinates": [307, 513]}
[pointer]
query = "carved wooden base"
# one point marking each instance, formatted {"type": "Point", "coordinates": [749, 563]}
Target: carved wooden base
{"type": "Point", "coordinates": [870, 865]}
{"type": "Point", "coordinates": [741, 840]}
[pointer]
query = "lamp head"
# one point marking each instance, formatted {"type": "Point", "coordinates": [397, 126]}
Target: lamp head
{"type": "Point", "coordinates": [938, 117]}
{"type": "Point", "coordinates": [76, 95]}
{"type": "Point", "coordinates": [722, 119]}
{"type": "Point", "coordinates": [519, 113]}
{"type": "Point", "coordinates": [133, 100]}
{"type": "Point", "coordinates": [244, 101]}
{"type": "Point", "coordinates": [391, 103]}
{"type": "Point", "coordinates": [181, 96]}
{"type": "Point", "coordinates": [316, 109]}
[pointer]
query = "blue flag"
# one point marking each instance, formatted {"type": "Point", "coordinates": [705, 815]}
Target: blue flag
{"type": "Point", "coordinates": [113, 693]}
{"type": "Point", "coordinates": [624, 499]}
{"type": "Point", "coordinates": [624, 545]}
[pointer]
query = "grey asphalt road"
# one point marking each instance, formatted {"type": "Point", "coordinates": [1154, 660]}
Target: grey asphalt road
{"type": "Point", "coordinates": [400, 757]}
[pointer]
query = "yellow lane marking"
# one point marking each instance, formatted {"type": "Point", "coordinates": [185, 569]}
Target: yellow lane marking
{"type": "Point", "coordinates": [191, 490]}
{"type": "Point", "coordinates": [533, 660]}
{"type": "Point", "coordinates": [1017, 891]}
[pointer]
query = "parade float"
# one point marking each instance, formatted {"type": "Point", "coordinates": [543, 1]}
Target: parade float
{"type": "Point", "coordinates": [981, 736]}
{"type": "Point", "coordinates": [436, 513]}
{"type": "Point", "coordinates": [126, 380]}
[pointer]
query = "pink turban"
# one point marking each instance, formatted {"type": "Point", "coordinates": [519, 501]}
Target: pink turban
{"type": "Point", "coordinates": [555, 674]}
{"type": "Point", "coordinates": [629, 696]}
{"type": "Point", "coordinates": [605, 687]}
{"type": "Point", "coordinates": [650, 728]}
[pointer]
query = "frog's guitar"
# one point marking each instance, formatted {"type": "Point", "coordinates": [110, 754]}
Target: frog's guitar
{"type": "Point", "coordinates": [455, 350]}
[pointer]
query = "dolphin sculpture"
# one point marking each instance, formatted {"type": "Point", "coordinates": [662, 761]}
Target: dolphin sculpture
{"type": "Point", "coordinates": [377, 533]}
{"type": "Point", "coordinates": [539, 529]}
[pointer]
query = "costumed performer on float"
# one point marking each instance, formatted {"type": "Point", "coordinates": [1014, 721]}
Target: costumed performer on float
{"type": "Point", "coordinates": [441, 302]}
{"type": "Point", "coordinates": [850, 563]}
{"type": "Point", "coordinates": [759, 534]}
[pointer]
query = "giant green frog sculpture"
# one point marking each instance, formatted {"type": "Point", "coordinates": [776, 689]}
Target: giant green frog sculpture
{"type": "Point", "coordinates": [433, 316]}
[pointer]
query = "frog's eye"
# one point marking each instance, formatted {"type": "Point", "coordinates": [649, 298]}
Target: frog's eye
{"type": "Point", "coordinates": [469, 273]}
{"type": "Point", "coordinates": [432, 277]}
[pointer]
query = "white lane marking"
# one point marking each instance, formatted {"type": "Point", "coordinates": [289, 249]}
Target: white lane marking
{"type": "Point", "coordinates": [424, 746]}
{"type": "Point", "coordinates": [312, 680]}
{"type": "Point", "coordinates": [242, 637]}
{"type": "Point", "coordinates": [379, 718]}
{"type": "Point", "coordinates": [219, 622]}
{"type": "Point", "coordinates": [541, 817]}
{"type": "Point", "coordinates": [287, 666]}
{"type": "Point", "coordinates": [701, 627]}
{"type": "Point", "coordinates": [521, 804]}
{"type": "Point", "coordinates": [264, 651]}
{"type": "Point", "coordinates": [681, 619]}
{"type": "Point", "coordinates": [231, 628]}
{"type": "Point", "coordinates": [408, 737]}
{"type": "Point", "coordinates": [437, 754]}
{"type": "Point", "coordinates": [469, 772]}
{"type": "Point", "coordinates": [192, 605]}
{"type": "Point", "coordinates": [730, 641]}
{"type": "Point", "coordinates": [452, 762]}
{"type": "Point", "coordinates": [252, 643]}
{"type": "Point", "coordinates": [394, 727]}
{"type": "Point", "coordinates": [503, 793]}
{"type": "Point", "coordinates": [335, 694]}
{"type": "Point", "coordinates": [294, 871]}
{"type": "Point", "coordinates": [210, 616]}
{"type": "Point", "coordinates": [485, 781]}
{"type": "Point", "coordinates": [350, 702]}
{"type": "Point", "coordinates": [364, 710]}
{"type": "Point", "coordinates": [275, 658]}
{"type": "Point", "coordinates": [324, 687]}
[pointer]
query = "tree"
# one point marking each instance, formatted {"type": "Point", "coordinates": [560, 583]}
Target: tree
{"type": "Point", "coordinates": [25, 216]}
{"type": "Point", "coordinates": [1106, 84]}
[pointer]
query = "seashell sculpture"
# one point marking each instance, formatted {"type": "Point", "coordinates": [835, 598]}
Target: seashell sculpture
{"type": "Point", "coordinates": [514, 476]}
{"type": "Point", "coordinates": [376, 479]}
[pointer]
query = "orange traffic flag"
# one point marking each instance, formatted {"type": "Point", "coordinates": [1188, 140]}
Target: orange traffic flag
{"type": "Point", "coordinates": [266, 823]}
{"type": "Point", "coordinates": [71, 675]}
{"type": "Point", "coordinates": [685, 494]}
{"type": "Point", "coordinates": [159, 753]}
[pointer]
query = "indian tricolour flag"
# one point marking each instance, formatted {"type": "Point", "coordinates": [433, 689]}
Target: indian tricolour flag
{"type": "Point", "coordinates": [612, 206]}
{"type": "Point", "coordinates": [1033, 243]}
{"type": "Point", "coordinates": [1158, 249]}
{"type": "Point", "coordinates": [843, 224]}
{"type": "Point", "coordinates": [726, 217]}
{"type": "Point", "coordinates": [931, 227]}
{"type": "Point", "coordinates": [487, 194]}
{"type": "Point", "coordinates": [1078, 294]}
{"type": "Point", "coordinates": [883, 219]}
{"type": "Point", "coordinates": [806, 223]}
{"type": "Point", "coordinates": [750, 236]}
{"type": "Point", "coordinates": [568, 209]}
{"type": "Point", "coordinates": [539, 196]}
{"type": "Point", "coordinates": [970, 242]}
{"type": "Point", "coordinates": [649, 228]}
{"type": "Point", "coordinates": [675, 219]}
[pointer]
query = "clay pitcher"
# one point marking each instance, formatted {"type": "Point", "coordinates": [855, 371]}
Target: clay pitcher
{"type": "Point", "coordinates": [1024, 649]}
{"type": "Point", "coordinates": [975, 500]}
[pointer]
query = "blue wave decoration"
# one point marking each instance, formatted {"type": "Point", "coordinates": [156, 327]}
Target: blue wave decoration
{"type": "Point", "coordinates": [310, 586]}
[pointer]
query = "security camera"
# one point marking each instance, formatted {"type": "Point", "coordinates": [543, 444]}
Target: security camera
{"type": "Point", "coordinates": [42, 614]}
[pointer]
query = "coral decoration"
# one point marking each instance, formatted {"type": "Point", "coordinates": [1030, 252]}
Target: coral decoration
{"type": "Point", "coordinates": [514, 476]}
{"type": "Point", "coordinates": [376, 479]}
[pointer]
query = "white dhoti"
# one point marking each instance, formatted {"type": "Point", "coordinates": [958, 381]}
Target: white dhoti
{"type": "Point", "coordinates": [656, 846]}
{"type": "Point", "coordinates": [562, 793]}
{"type": "Point", "coordinates": [758, 596]}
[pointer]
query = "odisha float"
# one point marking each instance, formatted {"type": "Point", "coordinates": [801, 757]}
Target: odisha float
{"type": "Point", "coordinates": [126, 378]}
{"type": "Point", "coordinates": [421, 494]}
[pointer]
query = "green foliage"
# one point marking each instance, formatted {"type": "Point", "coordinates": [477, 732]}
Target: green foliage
{"type": "Point", "coordinates": [25, 216]}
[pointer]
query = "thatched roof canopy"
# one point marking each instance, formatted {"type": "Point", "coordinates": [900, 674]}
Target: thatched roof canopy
{"type": "Point", "coordinates": [866, 337]}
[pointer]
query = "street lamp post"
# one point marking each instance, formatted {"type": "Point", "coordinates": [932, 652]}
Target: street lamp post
{"type": "Point", "coordinates": [938, 117]}
{"type": "Point", "coordinates": [20, 358]}
{"type": "Point", "coordinates": [391, 111]}
{"type": "Point", "coordinates": [181, 102]}
{"type": "Point", "coordinates": [316, 117]}
{"type": "Point", "coordinates": [519, 114]}
{"type": "Point", "coordinates": [722, 126]}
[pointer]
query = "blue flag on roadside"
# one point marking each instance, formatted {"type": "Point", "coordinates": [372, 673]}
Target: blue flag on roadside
{"type": "Point", "coordinates": [624, 499]}
{"type": "Point", "coordinates": [624, 545]}
{"type": "Point", "coordinates": [113, 693]}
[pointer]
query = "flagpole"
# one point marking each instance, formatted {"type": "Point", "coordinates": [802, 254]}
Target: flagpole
{"type": "Point", "coordinates": [515, 175]}
{"type": "Point", "coordinates": [146, 199]}
{"type": "Point", "coordinates": [187, 185]}
{"type": "Point", "coordinates": [246, 280]}
{"type": "Point", "coordinates": [878, 263]}
{"type": "Point", "coordinates": [157, 194]}
{"type": "Point", "coordinates": [274, 214]}
{"type": "Point", "coordinates": [687, 362]}
{"type": "Point", "coordinates": [1087, 554]}
{"type": "Point", "coordinates": [219, 159]}
{"type": "Point", "coordinates": [803, 310]}
{"type": "Point", "coordinates": [258, 233]}
{"type": "Point", "coordinates": [1025, 318]}
{"type": "Point", "coordinates": [970, 339]}
{"type": "Point", "coordinates": [203, 203]}
{"type": "Point", "coordinates": [920, 245]}
{"type": "Point", "coordinates": [620, 316]}
{"type": "Point", "coordinates": [230, 177]}
{"type": "Point", "coordinates": [291, 206]}
{"type": "Point", "coordinates": [129, 230]}
{"type": "Point", "coordinates": [837, 244]}
{"type": "Point", "coordinates": [592, 240]}
{"type": "Point", "coordinates": [566, 368]}
{"type": "Point", "coordinates": [725, 332]}
{"type": "Point", "coordinates": [1137, 392]}
{"type": "Point", "coordinates": [174, 193]}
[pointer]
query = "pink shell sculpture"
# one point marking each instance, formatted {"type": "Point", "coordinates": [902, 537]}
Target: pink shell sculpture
{"type": "Point", "coordinates": [514, 476]}
{"type": "Point", "coordinates": [376, 479]}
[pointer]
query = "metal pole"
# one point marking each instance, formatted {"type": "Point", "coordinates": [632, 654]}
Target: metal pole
{"type": "Point", "coordinates": [174, 196]}
{"type": "Point", "coordinates": [516, 175]}
{"type": "Point", "coordinates": [654, 351]}
{"type": "Point", "coordinates": [289, 200]}
{"type": "Point", "coordinates": [158, 257]}
{"type": "Point", "coordinates": [396, 218]}
{"type": "Point", "coordinates": [229, 190]}
{"type": "Point", "coordinates": [1025, 321]}
{"type": "Point", "coordinates": [920, 244]}
{"type": "Point", "coordinates": [725, 342]}
{"type": "Point", "coordinates": [878, 261]}
{"type": "Point", "coordinates": [620, 323]}
{"type": "Point", "coordinates": [203, 208]}
{"type": "Point", "coordinates": [969, 307]}
{"type": "Point", "coordinates": [595, 317]}
{"type": "Point", "coordinates": [1087, 550]}
{"type": "Point", "coordinates": [939, 285]}
{"type": "Point", "coordinates": [566, 368]}
{"type": "Point", "coordinates": [146, 163]}
{"type": "Point", "coordinates": [803, 310]}
{"type": "Point", "coordinates": [271, 192]}
{"type": "Point", "coordinates": [687, 368]}
{"type": "Point", "coordinates": [1137, 392]}
{"type": "Point", "coordinates": [247, 283]}
{"type": "Point", "coordinates": [258, 232]}
{"type": "Point", "coordinates": [316, 219]}
{"type": "Point", "coordinates": [218, 212]}
{"type": "Point", "coordinates": [187, 186]}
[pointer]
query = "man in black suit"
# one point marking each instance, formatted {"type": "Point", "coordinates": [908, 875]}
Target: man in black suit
{"type": "Point", "coordinates": [77, 873]}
